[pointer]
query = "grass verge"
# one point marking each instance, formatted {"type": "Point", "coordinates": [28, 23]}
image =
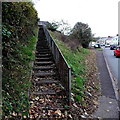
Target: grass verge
{"type": "Point", "coordinates": [85, 80]}
{"type": "Point", "coordinates": [76, 60]}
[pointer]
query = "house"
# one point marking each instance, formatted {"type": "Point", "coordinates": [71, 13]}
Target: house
{"type": "Point", "coordinates": [111, 40]}
{"type": "Point", "coordinates": [102, 40]}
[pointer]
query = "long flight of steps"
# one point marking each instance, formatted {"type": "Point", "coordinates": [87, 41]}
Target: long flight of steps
{"type": "Point", "coordinates": [47, 95]}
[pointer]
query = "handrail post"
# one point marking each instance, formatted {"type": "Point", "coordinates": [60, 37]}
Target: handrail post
{"type": "Point", "coordinates": [69, 88]}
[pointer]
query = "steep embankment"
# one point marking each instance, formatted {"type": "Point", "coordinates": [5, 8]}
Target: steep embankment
{"type": "Point", "coordinates": [85, 83]}
{"type": "Point", "coordinates": [19, 35]}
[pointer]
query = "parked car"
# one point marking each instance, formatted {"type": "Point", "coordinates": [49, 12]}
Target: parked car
{"type": "Point", "coordinates": [113, 47]}
{"type": "Point", "coordinates": [107, 45]}
{"type": "Point", "coordinates": [117, 51]}
{"type": "Point", "coordinates": [102, 44]}
{"type": "Point", "coordinates": [97, 45]}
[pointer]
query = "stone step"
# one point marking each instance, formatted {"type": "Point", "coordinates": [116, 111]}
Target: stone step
{"type": "Point", "coordinates": [44, 93]}
{"type": "Point", "coordinates": [44, 74]}
{"type": "Point", "coordinates": [44, 63]}
{"type": "Point", "coordinates": [42, 42]}
{"type": "Point", "coordinates": [44, 59]}
{"type": "Point", "coordinates": [44, 68]}
{"type": "Point", "coordinates": [43, 48]}
{"type": "Point", "coordinates": [38, 47]}
{"type": "Point", "coordinates": [46, 82]}
{"type": "Point", "coordinates": [43, 52]}
{"type": "Point", "coordinates": [44, 55]}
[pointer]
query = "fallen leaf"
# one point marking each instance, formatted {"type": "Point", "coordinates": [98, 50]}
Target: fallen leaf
{"type": "Point", "coordinates": [83, 116]}
{"type": "Point", "coordinates": [49, 112]}
{"type": "Point", "coordinates": [95, 102]}
{"type": "Point", "coordinates": [107, 110]}
{"type": "Point", "coordinates": [72, 94]}
{"type": "Point", "coordinates": [24, 116]}
{"type": "Point", "coordinates": [36, 114]}
{"type": "Point", "coordinates": [75, 105]}
{"type": "Point", "coordinates": [86, 113]}
{"type": "Point", "coordinates": [31, 116]}
{"type": "Point", "coordinates": [70, 116]}
{"type": "Point", "coordinates": [14, 114]}
{"type": "Point", "coordinates": [66, 113]}
{"type": "Point", "coordinates": [31, 102]}
{"type": "Point", "coordinates": [58, 112]}
{"type": "Point", "coordinates": [20, 114]}
{"type": "Point", "coordinates": [110, 102]}
{"type": "Point", "coordinates": [37, 98]}
{"type": "Point", "coordinates": [89, 94]}
{"type": "Point", "coordinates": [41, 100]}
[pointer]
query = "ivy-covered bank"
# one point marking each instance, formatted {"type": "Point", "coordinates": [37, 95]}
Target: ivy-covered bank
{"type": "Point", "coordinates": [19, 35]}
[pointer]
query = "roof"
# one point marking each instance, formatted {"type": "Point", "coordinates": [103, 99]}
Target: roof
{"type": "Point", "coordinates": [43, 23]}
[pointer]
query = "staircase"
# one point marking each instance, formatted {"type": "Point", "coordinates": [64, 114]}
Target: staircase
{"type": "Point", "coordinates": [47, 95]}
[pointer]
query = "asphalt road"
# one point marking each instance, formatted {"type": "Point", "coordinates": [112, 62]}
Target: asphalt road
{"type": "Point", "coordinates": [113, 63]}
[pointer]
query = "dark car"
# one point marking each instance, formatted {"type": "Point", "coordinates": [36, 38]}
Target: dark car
{"type": "Point", "coordinates": [113, 47]}
{"type": "Point", "coordinates": [117, 52]}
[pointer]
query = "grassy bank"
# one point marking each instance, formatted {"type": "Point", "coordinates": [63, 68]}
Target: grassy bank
{"type": "Point", "coordinates": [85, 80]}
{"type": "Point", "coordinates": [76, 60]}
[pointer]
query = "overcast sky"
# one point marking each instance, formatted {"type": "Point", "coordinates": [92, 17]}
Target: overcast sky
{"type": "Point", "coordinates": [100, 15]}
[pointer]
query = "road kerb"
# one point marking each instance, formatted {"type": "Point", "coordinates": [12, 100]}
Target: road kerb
{"type": "Point", "coordinates": [114, 80]}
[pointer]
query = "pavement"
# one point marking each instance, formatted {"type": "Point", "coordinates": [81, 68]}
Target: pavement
{"type": "Point", "coordinates": [113, 66]}
{"type": "Point", "coordinates": [108, 104]}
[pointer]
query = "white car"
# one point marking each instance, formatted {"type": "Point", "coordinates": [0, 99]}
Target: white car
{"type": "Point", "coordinates": [107, 45]}
{"type": "Point", "coordinates": [97, 45]}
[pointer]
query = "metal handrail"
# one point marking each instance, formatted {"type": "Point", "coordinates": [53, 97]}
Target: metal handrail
{"type": "Point", "coordinates": [61, 64]}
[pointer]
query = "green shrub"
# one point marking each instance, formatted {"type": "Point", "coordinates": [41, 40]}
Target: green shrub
{"type": "Point", "coordinates": [19, 35]}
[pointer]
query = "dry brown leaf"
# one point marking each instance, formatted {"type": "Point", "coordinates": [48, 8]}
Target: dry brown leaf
{"type": "Point", "coordinates": [75, 105]}
{"type": "Point", "coordinates": [31, 116]}
{"type": "Point", "coordinates": [31, 102]}
{"type": "Point", "coordinates": [83, 116]}
{"type": "Point", "coordinates": [24, 116]}
{"type": "Point", "coordinates": [37, 98]}
{"type": "Point", "coordinates": [95, 102]}
{"type": "Point", "coordinates": [58, 112]}
{"type": "Point", "coordinates": [41, 100]}
{"type": "Point", "coordinates": [14, 114]}
{"type": "Point", "coordinates": [107, 110]}
{"type": "Point", "coordinates": [70, 116]}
